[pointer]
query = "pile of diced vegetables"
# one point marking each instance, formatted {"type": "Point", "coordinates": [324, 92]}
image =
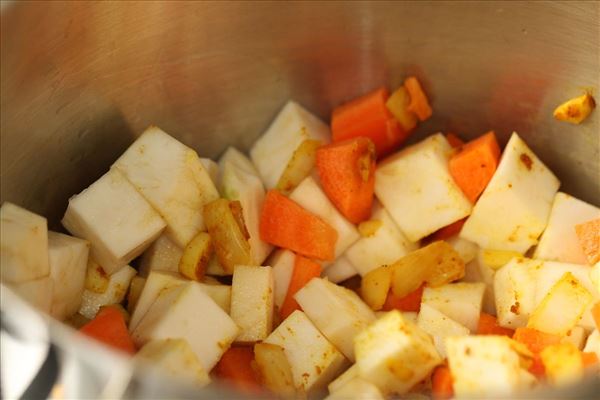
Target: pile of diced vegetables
{"type": "Point", "coordinates": [329, 262]}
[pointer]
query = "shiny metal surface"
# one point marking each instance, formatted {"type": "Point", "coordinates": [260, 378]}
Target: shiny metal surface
{"type": "Point", "coordinates": [79, 79]}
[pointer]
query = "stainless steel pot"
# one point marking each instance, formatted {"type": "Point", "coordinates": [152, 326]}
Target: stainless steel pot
{"type": "Point", "coordinates": [80, 80]}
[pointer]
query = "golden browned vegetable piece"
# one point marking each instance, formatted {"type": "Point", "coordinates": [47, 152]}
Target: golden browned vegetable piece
{"type": "Point", "coordinates": [196, 256]}
{"type": "Point", "coordinates": [299, 166]}
{"type": "Point", "coordinates": [575, 110]}
{"type": "Point", "coordinates": [274, 369]}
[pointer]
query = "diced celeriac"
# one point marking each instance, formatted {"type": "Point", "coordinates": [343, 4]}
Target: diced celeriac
{"type": "Point", "coordinates": [24, 244]}
{"type": "Point", "coordinates": [162, 255]}
{"type": "Point", "coordinates": [416, 188]}
{"type": "Point", "coordinates": [336, 311]}
{"type": "Point", "coordinates": [439, 326]}
{"type": "Point", "coordinates": [482, 365]}
{"type": "Point", "coordinates": [68, 258]}
{"type": "Point", "coordinates": [175, 358]}
{"type": "Point", "coordinates": [394, 354]}
{"type": "Point", "coordinates": [115, 293]}
{"type": "Point", "coordinates": [252, 302]}
{"type": "Point", "coordinates": [559, 241]}
{"type": "Point", "coordinates": [340, 270]}
{"type": "Point", "coordinates": [240, 181]}
{"type": "Point", "coordinates": [465, 248]}
{"type": "Point", "coordinates": [310, 196]}
{"type": "Point", "coordinates": [187, 312]}
{"type": "Point", "coordinates": [460, 301]}
{"type": "Point", "coordinates": [575, 336]}
{"type": "Point", "coordinates": [135, 290]}
{"type": "Point", "coordinates": [118, 222]}
{"type": "Point", "coordinates": [221, 294]}
{"type": "Point", "coordinates": [214, 268]}
{"type": "Point", "coordinates": [37, 292]}
{"type": "Point", "coordinates": [592, 344]}
{"type": "Point", "coordinates": [385, 246]}
{"type": "Point", "coordinates": [211, 168]}
{"type": "Point", "coordinates": [171, 178]}
{"type": "Point", "coordinates": [274, 369]}
{"type": "Point", "coordinates": [521, 192]}
{"type": "Point", "coordinates": [495, 259]}
{"type": "Point", "coordinates": [347, 376]}
{"type": "Point", "coordinates": [314, 360]}
{"type": "Point", "coordinates": [357, 388]}
{"type": "Point", "coordinates": [272, 152]}
{"type": "Point", "coordinates": [282, 262]}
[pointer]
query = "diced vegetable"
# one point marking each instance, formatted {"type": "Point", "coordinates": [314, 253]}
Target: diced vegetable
{"type": "Point", "coordinates": [474, 165]}
{"type": "Point", "coordinates": [419, 104]}
{"type": "Point", "coordinates": [394, 354]}
{"type": "Point", "coordinates": [37, 292]}
{"type": "Point", "coordinates": [563, 363]}
{"type": "Point", "coordinates": [575, 110]}
{"type": "Point", "coordinates": [567, 294]}
{"type": "Point", "coordinates": [347, 173]}
{"type": "Point", "coordinates": [304, 271]}
{"type": "Point", "coordinates": [96, 280]}
{"type": "Point", "coordinates": [336, 311]}
{"type": "Point", "coordinates": [303, 232]}
{"type": "Point", "coordinates": [576, 336]}
{"type": "Point", "coordinates": [252, 302]}
{"type": "Point", "coordinates": [369, 117]}
{"type": "Point", "coordinates": [187, 312]}
{"type": "Point", "coordinates": [211, 168]}
{"type": "Point", "coordinates": [447, 231]}
{"type": "Point", "coordinates": [411, 302]}
{"type": "Point", "coordinates": [195, 257]}
{"type": "Point", "coordinates": [221, 294]}
{"type": "Point", "coordinates": [313, 359]}
{"type": "Point", "coordinates": [375, 287]}
{"type": "Point", "coordinates": [282, 261]}
{"type": "Point", "coordinates": [67, 257]}
{"type": "Point", "coordinates": [109, 328]}
{"type": "Point", "coordinates": [340, 270]}
{"type": "Point", "coordinates": [418, 179]}
{"type": "Point", "coordinates": [235, 367]}
{"type": "Point", "coordinates": [119, 223]}
{"type": "Point", "coordinates": [560, 241]}
{"type": "Point", "coordinates": [592, 343]}
{"type": "Point", "coordinates": [347, 376]}
{"type": "Point", "coordinates": [454, 140]}
{"type": "Point", "coordinates": [172, 178]}
{"type": "Point", "coordinates": [357, 388]}
{"type": "Point", "coordinates": [466, 249]}
{"type": "Point", "coordinates": [312, 198]}
{"type": "Point", "coordinates": [398, 104]}
{"type": "Point", "coordinates": [299, 166]}
{"type": "Point", "coordinates": [596, 314]}
{"type": "Point", "coordinates": [115, 292]}
{"type": "Point", "coordinates": [135, 291]}
{"type": "Point", "coordinates": [274, 369]}
{"type": "Point", "coordinates": [227, 229]}
{"type": "Point", "coordinates": [459, 301]}
{"type": "Point", "coordinates": [521, 190]}
{"type": "Point", "coordinates": [441, 383]}
{"type": "Point", "coordinates": [496, 259]}
{"type": "Point", "coordinates": [24, 241]}
{"type": "Point", "coordinates": [488, 325]}
{"type": "Point", "coordinates": [175, 358]}
{"type": "Point", "coordinates": [535, 340]}
{"type": "Point", "coordinates": [439, 326]}
{"type": "Point", "coordinates": [589, 239]}
{"type": "Point", "coordinates": [162, 255]}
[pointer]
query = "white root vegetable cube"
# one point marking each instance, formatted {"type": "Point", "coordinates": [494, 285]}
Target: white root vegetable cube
{"type": "Point", "coordinates": [386, 246]}
{"type": "Point", "coordinates": [114, 294]}
{"type": "Point", "coordinates": [118, 222]}
{"type": "Point", "coordinates": [172, 178]}
{"type": "Point", "coordinates": [240, 181]}
{"type": "Point", "coordinates": [439, 326]}
{"type": "Point", "coordinates": [187, 312]}
{"type": "Point", "coordinates": [347, 376]}
{"type": "Point", "coordinates": [156, 283]}
{"type": "Point", "coordinates": [37, 293]}
{"type": "Point", "coordinates": [521, 192]}
{"type": "Point", "coordinates": [314, 360]}
{"type": "Point", "coordinates": [460, 301]}
{"type": "Point", "coordinates": [310, 196]}
{"type": "Point", "coordinates": [175, 358]}
{"type": "Point", "coordinates": [336, 311]}
{"type": "Point", "coordinates": [252, 302]}
{"type": "Point", "coordinates": [221, 294]}
{"type": "Point", "coordinates": [211, 168]}
{"type": "Point", "coordinates": [416, 188]}
{"type": "Point", "coordinates": [559, 241]}
{"type": "Point", "coordinates": [24, 244]}
{"type": "Point", "coordinates": [562, 307]}
{"type": "Point", "coordinates": [592, 344]}
{"type": "Point", "coordinates": [282, 262]}
{"type": "Point", "coordinates": [394, 354]}
{"type": "Point", "coordinates": [162, 255]}
{"type": "Point", "coordinates": [293, 125]}
{"type": "Point", "coordinates": [340, 270]}
{"type": "Point", "coordinates": [357, 388]}
{"type": "Point", "coordinates": [68, 257]}
{"type": "Point", "coordinates": [466, 249]}
{"type": "Point", "coordinates": [484, 366]}
{"type": "Point", "coordinates": [576, 336]}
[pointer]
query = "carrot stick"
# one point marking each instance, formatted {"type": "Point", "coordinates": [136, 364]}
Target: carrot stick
{"type": "Point", "coordinates": [447, 232]}
{"type": "Point", "coordinates": [109, 328]}
{"type": "Point", "coordinates": [474, 165]}
{"type": "Point", "coordinates": [536, 341]}
{"type": "Point", "coordinates": [488, 325]}
{"type": "Point", "coordinates": [454, 140]}
{"type": "Point", "coordinates": [235, 366]}
{"type": "Point", "coordinates": [368, 116]}
{"type": "Point", "coordinates": [347, 172]}
{"type": "Point", "coordinates": [588, 234]}
{"type": "Point", "coordinates": [441, 383]}
{"type": "Point", "coordinates": [419, 104]}
{"type": "Point", "coordinates": [410, 302]}
{"type": "Point", "coordinates": [589, 359]}
{"type": "Point", "coordinates": [286, 224]}
{"type": "Point", "coordinates": [304, 271]}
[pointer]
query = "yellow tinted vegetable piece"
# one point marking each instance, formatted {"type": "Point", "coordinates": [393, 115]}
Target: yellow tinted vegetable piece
{"type": "Point", "coordinates": [196, 256]}
{"type": "Point", "coordinates": [299, 165]}
{"type": "Point", "coordinates": [575, 110]}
